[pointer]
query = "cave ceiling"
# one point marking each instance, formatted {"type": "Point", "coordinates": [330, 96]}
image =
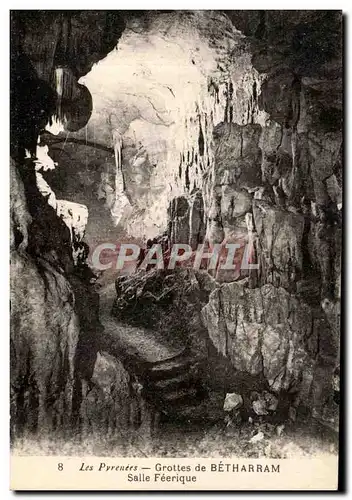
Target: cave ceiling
{"type": "Point", "coordinates": [231, 66]}
{"type": "Point", "coordinates": [126, 59]}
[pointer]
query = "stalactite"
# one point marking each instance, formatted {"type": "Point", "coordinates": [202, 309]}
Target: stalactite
{"type": "Point", "coordinates": [117, 140]}
{"type": "Point", "coordinates": [200, 140]}
{"type": "Point", "coordinates": [73, 102]}
{"type": "Point", "coordinates": [112, 185]}
{"type": "Point", "coordinates": [187, 182]}
{"type": "Point", "coordinates": [59, 84]}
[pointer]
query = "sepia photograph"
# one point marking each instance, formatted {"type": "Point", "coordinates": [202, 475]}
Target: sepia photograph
{"type": "Point", "coordinates": [176, 214]}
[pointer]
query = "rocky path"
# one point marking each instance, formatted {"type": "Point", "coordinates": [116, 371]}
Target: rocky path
{"type": "Point", "coordinates": [170, 375]}
{"type": "Point", "coordinates": [142, 344]}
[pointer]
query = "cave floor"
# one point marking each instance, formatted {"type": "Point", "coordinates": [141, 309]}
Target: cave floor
{"type": "Point", "coordinates": [287, 440]}
{"type": "Point", "coordinates": [138, 343]}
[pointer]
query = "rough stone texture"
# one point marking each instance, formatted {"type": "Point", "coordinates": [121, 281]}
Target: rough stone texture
{"type": "Point", "coordinates": [41, 28]}
{"type": "Point", "coordinates": [54, 313]}
{"type": "Point", "coordinates": [226, 92]}
{"type": "Point", "coordinates": [113, 405]}
{"type": "Point", "coordinates": [280, 244]}
{"type": "Point", "coordinates": [238, 156]}
{"type": "Point", "coordinates": [270, 335]}
{"type": "Point", "coordinates": [165, 298]}
{"type": "Point", "coordinates": [263, 330]}
{"type": "Point", "coordinates": [19, 215]}
{"type": "Point", "coordinates": [264, 403]}
{"type": "Point", "coordinates": [186, 220]}
{"type": "Point", "coordinates": [44, 335]}
{"type": "Point", "coordinates": [280, 96]}
{"type": "Point", "coordinates": [324, 149]}
{"type": "Point", "coordinates": [44, 332]}
{"type": "Point", "coordinates": [165, 123]}
{"type": "Point", "coordinates": [232, 401]}
{"type": "Point", "coordinates": [236, 175]}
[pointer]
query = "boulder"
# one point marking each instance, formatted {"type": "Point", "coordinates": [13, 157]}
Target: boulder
{"type": "Point", "coordinates": [113, 405]}
{"type": "Point", "coordinates": [265, 403]}
{"type": "Point", "coordinates": [165, 298]}
{"type": "Point", "coordinates": [232, 401]}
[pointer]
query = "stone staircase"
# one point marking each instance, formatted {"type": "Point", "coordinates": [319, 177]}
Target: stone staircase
{"type": "Point", "coordinates": [171, 376]}
{"type": "Point", "coordinates": [175, 386]}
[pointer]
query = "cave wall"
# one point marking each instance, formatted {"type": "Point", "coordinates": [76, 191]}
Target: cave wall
{"type": "Point", "coordinates": [44, 328]}
{"type": "Point", "coordinates": [296, 212]}
{"type": "Point", "coordinates": [49, 294]}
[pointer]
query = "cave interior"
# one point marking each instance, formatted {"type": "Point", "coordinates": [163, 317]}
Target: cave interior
{"type": "Point", "coordinates": [176, 127]}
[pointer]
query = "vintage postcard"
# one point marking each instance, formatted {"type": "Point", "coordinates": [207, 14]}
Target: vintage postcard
{"type": "Point", "coordinates": [176, 237]}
